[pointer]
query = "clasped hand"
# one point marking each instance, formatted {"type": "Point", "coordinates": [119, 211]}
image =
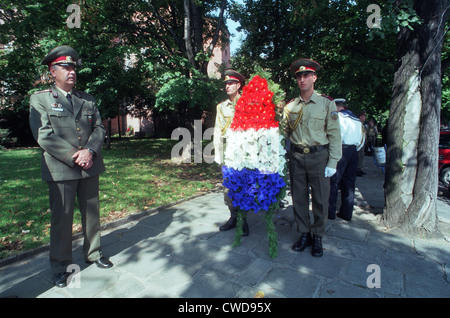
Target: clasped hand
{"type": "Point", "coordinates": [83, 158]}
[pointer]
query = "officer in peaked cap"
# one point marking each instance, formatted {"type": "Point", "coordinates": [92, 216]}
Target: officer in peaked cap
{"type": "Point", "coordinates": [63, 55]}
{"type": "Point", "coordinates": [67, 125]}
{"type": "Point", "coordinates": [234, 82]}
{"type": "Point", "coordinates": [313, 131]}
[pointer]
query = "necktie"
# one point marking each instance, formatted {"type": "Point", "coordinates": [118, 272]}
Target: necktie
{"type": "Point", "coordinates": [69, 98]}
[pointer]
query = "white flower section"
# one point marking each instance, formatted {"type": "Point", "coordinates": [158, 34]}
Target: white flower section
{"type": "Point", "coordinates": [255, 149]}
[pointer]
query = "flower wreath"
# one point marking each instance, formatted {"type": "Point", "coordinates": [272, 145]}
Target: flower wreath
{"type": "Point", "coordinates": [254, 158]}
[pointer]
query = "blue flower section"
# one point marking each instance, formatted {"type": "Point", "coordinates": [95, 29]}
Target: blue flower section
{"type": "Point", "coordinates": [251, 189]}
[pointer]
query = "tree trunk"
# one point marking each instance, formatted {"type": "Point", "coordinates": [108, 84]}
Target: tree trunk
{"type": "Point", "coordinates": [197, 26]}
{"type": "Point", "coordinates": [216, 35]}
{"type": "Point", "coordinates": [187, 32]}
{"type": "Point", "coordinates": [411, 180]}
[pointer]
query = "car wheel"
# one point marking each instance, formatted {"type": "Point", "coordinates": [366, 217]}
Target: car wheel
{"type": "Point", "coordinates": [445, 177]}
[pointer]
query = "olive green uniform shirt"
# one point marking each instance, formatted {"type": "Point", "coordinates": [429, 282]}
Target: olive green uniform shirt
{"type": "Point", "coordinates": [312, 123]}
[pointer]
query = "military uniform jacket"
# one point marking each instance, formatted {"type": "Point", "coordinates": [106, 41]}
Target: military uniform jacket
{"type": "Point", "coordinates": [224, 117]}
{"type": "Point", "coordinates": [61, 130]}
{"type": "Point", "coordinates": [314, 122]}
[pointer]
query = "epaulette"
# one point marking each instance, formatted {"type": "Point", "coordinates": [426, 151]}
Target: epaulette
{"type": "Point", "coordinates": [48, 90]}
{"type": "Point", "coordinates": [326, 96]}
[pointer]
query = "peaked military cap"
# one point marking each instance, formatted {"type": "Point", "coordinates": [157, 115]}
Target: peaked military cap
{"type": "Point", "coordinates": [61, 55]}
{"type": "Point", "coordinates": [232, 75]}
{"type": "Point", "coordinates": [304, 65]}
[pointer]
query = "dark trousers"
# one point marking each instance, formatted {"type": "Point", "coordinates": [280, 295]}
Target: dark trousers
{"type": "Point", "coordinates": [344, 179]}
{"type": "Point", "coordinates": [308, 176]}
{"type": "Point", "coordinates": [62, 195]}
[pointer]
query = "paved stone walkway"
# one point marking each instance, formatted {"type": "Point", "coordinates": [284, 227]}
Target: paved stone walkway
{"type": "Point", "coordinates": [178, 252]}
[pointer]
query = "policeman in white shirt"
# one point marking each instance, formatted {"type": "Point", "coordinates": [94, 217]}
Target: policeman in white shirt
{"type": "Point", "coordinates": [353, 137]}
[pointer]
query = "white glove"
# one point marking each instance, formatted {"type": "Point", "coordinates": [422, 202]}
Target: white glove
{"type": "Point", "coordinates": [329, 172]}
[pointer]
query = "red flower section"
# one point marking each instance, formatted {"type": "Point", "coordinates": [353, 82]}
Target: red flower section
{"type": "Point", "coordinates": [255, 108]}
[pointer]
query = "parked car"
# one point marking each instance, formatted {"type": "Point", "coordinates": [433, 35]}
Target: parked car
{"type": "Point", "coordinates": [444, 158]}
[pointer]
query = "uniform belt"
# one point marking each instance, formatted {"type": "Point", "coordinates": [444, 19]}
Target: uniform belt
{"type": "Point", "coordinates": [308, 149]}
{"type": "Point", "coordinates": [348, 146]}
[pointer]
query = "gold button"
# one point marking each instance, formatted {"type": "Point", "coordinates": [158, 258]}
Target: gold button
{"type": "Point", "coordinates": [79, 147]}
{"type": "Point", "coordinates": [306, 150]}
{"type": "Point", "coordinates": [78, 128]}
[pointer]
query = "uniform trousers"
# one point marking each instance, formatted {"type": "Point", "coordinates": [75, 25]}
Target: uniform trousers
{"type": "Point", "coordinates": [308, 176]}
{"type": "Point", "coordinates": [62, 195]}
{"type": "Point", "coordinates": [229, 203]}
{"type": "Point", "coordinates": [344, 179]}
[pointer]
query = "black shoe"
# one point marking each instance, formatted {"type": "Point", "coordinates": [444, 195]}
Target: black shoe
{"type": "Point", "coordinates": [304, 241]}
{"type": "Point", "coordinates": [245, 229]}
{"type": "Point", "coordinates": [60, 279]}
{"type": "Point", "coordinates": [231, 224]}
{"type": "Point", "coordinates": [317, 250]}
{"type": "Point", "coordinates": [102, 262]}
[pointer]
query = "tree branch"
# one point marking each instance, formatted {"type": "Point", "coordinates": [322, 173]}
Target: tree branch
{"type": "Point", "coordinates": [187, 32]}
{"type": "Point", "coordinates": [219, 27]}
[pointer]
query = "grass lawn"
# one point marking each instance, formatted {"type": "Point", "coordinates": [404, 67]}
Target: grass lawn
{"type": "Point", "coordinates": [139, 176]}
